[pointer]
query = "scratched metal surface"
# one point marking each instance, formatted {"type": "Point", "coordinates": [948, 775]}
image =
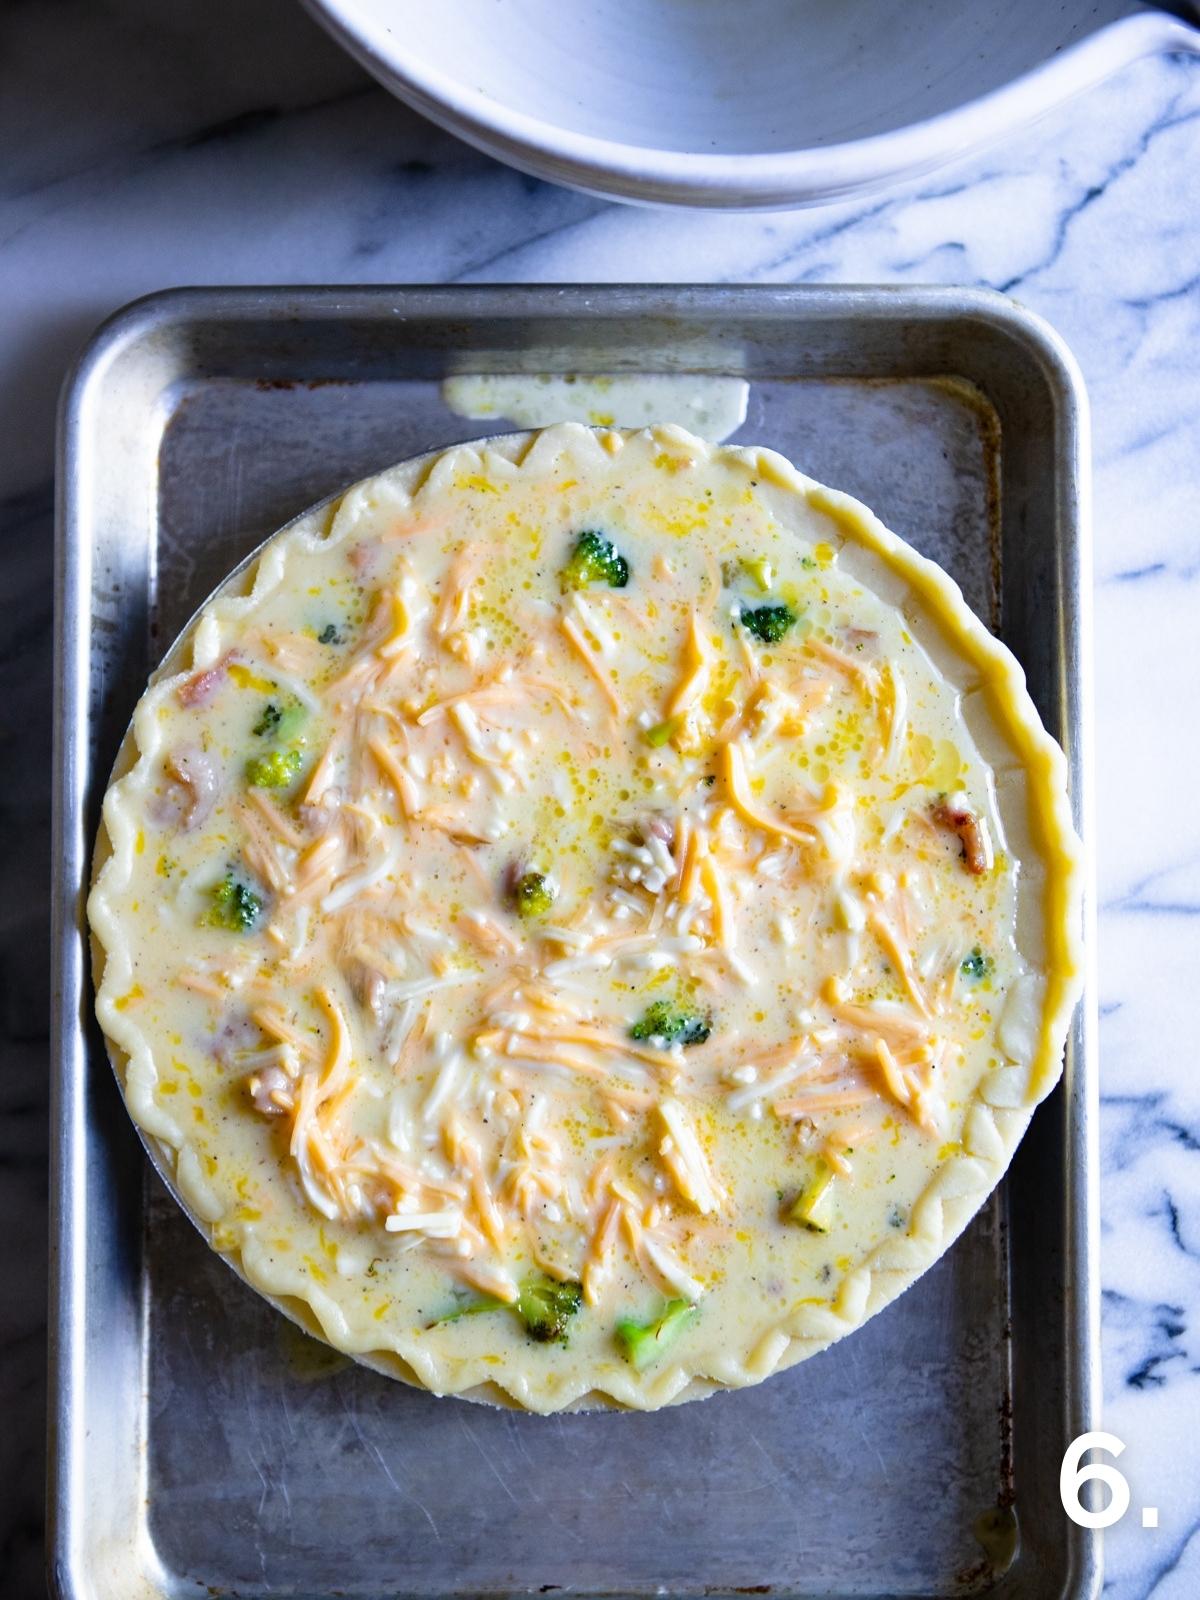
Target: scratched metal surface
{"type": "Point", "coordinates": [202, 1443]}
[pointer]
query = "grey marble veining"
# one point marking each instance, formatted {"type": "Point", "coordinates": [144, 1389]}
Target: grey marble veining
{"type": "Point", "coordinates": [226, 141]}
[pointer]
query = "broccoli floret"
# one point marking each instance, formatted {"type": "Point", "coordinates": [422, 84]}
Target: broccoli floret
{"type": "Point", "coordinates": [275, 770]}
{"type": "Point", "coordinates": [533, 894]}
{"type": "Point", "coordinates": [977, 966]}
{"type": "Point", "coordinates": [642, 1343]}
{"type": "Point", "coordinates": [280, 722]}
{"type": "Point", "coordinates": [671, 1024]}
{"type": "Point", "coordinates": [595, 559]}
{"type": "Point", "coordinates": [329, 634]}
{"type": "Point", "coordinates": [768, 623]}
{"type": "Point", "coordinates": [546, 1307]}
{"type": "Point", "coordinates": [234, 906]}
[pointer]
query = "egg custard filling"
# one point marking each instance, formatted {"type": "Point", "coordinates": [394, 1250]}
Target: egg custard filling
{"type": "Point", "coordinates": [585, 918]}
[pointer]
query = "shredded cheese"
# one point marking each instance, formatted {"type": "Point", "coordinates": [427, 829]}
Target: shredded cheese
{"type": "Point", "coordinates": [685, 1160]}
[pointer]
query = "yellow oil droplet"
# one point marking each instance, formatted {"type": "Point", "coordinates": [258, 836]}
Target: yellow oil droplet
{"type": "Point", "coordinates": [245, 679]}
{"type": "Point", "coordinates": [945, 766]}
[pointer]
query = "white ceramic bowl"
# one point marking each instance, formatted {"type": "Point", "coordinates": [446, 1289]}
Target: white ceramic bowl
{"type": "Point", "coordinates": [740, 104]}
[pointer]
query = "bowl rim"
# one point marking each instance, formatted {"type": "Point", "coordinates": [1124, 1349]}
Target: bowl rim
{"type": "Point", "coordinates": [751, 179]}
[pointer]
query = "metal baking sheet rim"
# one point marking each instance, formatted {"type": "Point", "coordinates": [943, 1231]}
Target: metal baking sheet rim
{"type": "Point", "coordinates": [175, 309]}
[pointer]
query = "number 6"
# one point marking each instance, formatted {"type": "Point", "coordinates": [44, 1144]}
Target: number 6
{"type": "Point", "coordinates": [1073, 1477]}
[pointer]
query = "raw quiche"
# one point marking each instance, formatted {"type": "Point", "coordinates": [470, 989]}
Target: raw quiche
{"type": "Point", "coordinates": [585, 918]}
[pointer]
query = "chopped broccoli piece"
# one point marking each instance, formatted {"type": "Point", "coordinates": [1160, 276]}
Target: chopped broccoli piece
{"type": "Point", "coordinates": [468, 1306]}
{"type": "Point", "coordinates": [813, 1204]}
{"type": "Point", "coordinates": [234, 906]}
{"type": "Point", "coordinates": [329, 634]}
{"type": "Point", "coordinates": [595, 559]}
{"type": "Point", "coordinates": [642, 1343]}
{"type": "Point", "coordinates": [662, 733]}
{"type": "Point", "coordinates": [275, 770]}
{"type": "Point", "coordinates": [281, 722]}
{"type": "Point", "coordinates": [977, 966]}
{"type": "Point", "coordinates": [768, 623]}
{"type": "Point", "coordinates": [533, 894]}
{"type": "Point", "coordinates": [756, 568]}
{"type": "Point", "coordinates": [671, 1024]}
{"type": "Point", "coordinates": [546, 1307]}
{"type": "Point", "coordinates": [760, 569]}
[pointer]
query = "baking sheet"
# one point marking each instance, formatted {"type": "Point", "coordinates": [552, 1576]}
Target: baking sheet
{"type": "Point", "coordinates": [201, 1444]}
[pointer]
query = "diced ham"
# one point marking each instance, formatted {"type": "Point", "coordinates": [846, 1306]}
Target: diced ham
{"type": "Point", "coordinates": [364, 558]}
{"type": "Point", "coordinates": [198, 773]}
{"type": "Point", "coordinates": [865, 640]}
{"type": "Point", "coordinates": [370, 989]}
{"type": "Point", "coordinates": [237, 1035]}
{"type": "Point", "coordinates": [193, 783]}
{"type": "Point", "coordinates": [956, 816]}
{"type": "Point", "coordinates": [271, 1090]}
{"type": "Point", "coordinates": [201, 688]}
{"type": "Point", "coordinates": [657, 826]}
{"type": "Point", "coordinates": [319, 819]}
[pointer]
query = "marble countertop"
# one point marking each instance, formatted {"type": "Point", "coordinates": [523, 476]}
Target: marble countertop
{"type": "Point", "coordinates": [221, 141]}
